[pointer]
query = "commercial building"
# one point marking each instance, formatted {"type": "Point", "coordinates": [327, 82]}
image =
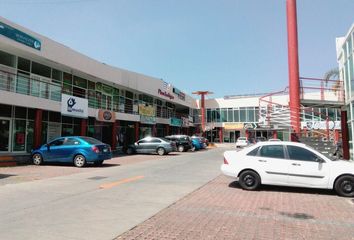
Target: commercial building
{"type": "Point", "coordinates": [48, 90]}
{"type": "Point", "coordinates": [268, 116]}
{"type": "Point", "coordinates": [345, 57]}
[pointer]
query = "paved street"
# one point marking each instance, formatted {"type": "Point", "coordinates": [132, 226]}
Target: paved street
{"type": "Point", "coordinates": [101, 203]}
{"type": "Point", "coordinates": [182, 196]}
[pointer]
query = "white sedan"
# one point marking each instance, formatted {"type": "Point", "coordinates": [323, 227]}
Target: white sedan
{"type": "Point", "coordinates": [288, 164]}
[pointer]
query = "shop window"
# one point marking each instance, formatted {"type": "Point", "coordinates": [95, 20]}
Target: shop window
{"type": "Point", "coordinates": [23, 83]}
{"type": "Point", "coordinates": [243, 115]}
{"type": "Point", "coordinates": [20, 112]}
{"type": "Point", "coordinates": [40, 69]}
{"type": "Point", "coordinates": [92, 99]}
{"type": "Point", "coordinates": [31, 113]}
{"type": "Point", "coordinates": [250, 115]}
{"type": "Point", "coordinates": [236, 115]}
{"type": "Point", "coordinates": [5, 110]}
{"type": "Point", "coordinates": [7, 59]}
{"type": "Point", "coordinates": [67, 78]}
{"type": "Point", "coordinates": [91, 85]}
{"type": "Point", "coordinates": [223, 115]}
{"type": "Point", "coordinates": [129, 95]}
{"type": "Point", "coordinates": [19, 135]}
{"type": "Point", "coordinates": [67, 130]}
{"type": "Point", "coordinates": [54, 117]}
{"type": "Point", "coordinates": [30, 135]}
{"type": "Point", "coordinates": [23, 64]}
{"type": "Point", "coordinates": [80, 82]}
{"type": "Point", "coordinates": [57, 76]}
{"type": "Point", "coordinates": [65, 119]}
{"type": "Point", "coordinates": [67, 89]}
{"type": "Point", "coordinates": [230, 115]}
{"type": "Point", "coordinates": [79, 92]}
{"type": "Point", "coordinates": [45, 115]}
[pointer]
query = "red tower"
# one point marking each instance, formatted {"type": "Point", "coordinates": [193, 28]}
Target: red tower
{"type": "Point", "coordinates": [293, 63]}
{"type": "Point", "coordinates": [202, 105]}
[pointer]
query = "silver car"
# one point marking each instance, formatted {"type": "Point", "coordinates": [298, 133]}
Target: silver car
{"type": "Point", "coordinates": [157, 145]}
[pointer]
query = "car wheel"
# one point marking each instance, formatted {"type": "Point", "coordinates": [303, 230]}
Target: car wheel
{"type": "Point", "coordinates": [130, 151]}
{"type": "Point", "coordinates": [180, 148]}
{"type": "Point", "coordinates": [344, 186]}
{"type": "Point", "coordinates": [249, 180]}
{"type": "Point", "coordinates": [161, 151]}
{"type": "Point", "coordinates": [37, 159]}
{"type": "Point", "coordinates": [79, 160]}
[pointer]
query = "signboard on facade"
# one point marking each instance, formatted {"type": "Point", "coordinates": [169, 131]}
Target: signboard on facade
{"type": "Point", "coordinates": [74, 106]}
{"type": "Point", "coordinates": [147, 110]}
{"type": "Point", "coordinates": [250, 125]}
{"type": "Point", "coordinates": [185, 122]}
{"type": "Point", "coordinates": [176, 122]}
{"type": "Point", "coordinates": [320, 125]}
{"type": "Point", "coordinates": [19, 36]}
{"type": "Point", "coordinates": [53, 131]}
{"type": "Point", "coordinates": [179, 94]}
{"type": "Point", "coordinates": [105, 115]}
{"type": "Point", "coordinates": [165, 94]}
{"type": "Point", "coordinates": [147, 119]}
{"type": "Point", "coordinates": [233, 126]}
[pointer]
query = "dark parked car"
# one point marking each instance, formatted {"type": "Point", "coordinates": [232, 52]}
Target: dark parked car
{"type": "Point", "coordinates": [160, 146]}
{"type": "Point", "coordinates": [76, 150]}
{"type": "Point", "coordinates": [183, 142]}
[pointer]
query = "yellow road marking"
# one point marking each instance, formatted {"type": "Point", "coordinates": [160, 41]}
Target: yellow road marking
{"type": "Point", "coordinates": [126, 180]}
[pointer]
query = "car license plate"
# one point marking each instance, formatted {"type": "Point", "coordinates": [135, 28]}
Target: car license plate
{"type": "Point", "coordinates": [105, 150]}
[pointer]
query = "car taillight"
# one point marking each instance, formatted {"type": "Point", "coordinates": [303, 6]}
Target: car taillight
{"type": "Point", "coordinates": [225, 161]}
{"type": "Point", "coordinates": [95, 149]}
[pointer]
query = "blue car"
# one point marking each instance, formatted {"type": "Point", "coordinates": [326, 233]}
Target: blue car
{"type": "Point", "coordinates": [77, 150]}
{"type": "Point", "coordinates": [197, 144]}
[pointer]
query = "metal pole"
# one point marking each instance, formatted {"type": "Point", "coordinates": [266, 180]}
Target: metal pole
{"type": "Point", "coordinates": [293, 62]}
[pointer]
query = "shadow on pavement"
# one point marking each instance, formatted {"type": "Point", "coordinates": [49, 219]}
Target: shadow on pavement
{"type": "Point", "coordinates": [6, 175]}
{"type": "Point", "coordinates": [271, 188]}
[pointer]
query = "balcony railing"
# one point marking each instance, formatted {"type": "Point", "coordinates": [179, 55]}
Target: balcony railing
{"type": "Point", "coordinates": [42, 87]}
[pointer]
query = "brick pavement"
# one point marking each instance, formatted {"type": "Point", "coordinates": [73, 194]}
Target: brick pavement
{"type": "Point", "coordinates": [221, 210]}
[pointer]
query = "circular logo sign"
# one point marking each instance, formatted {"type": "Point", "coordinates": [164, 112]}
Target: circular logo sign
{"type": "Point", "coordinates": [107, 115]}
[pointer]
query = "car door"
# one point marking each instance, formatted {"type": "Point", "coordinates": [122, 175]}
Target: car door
{"type": "Point", "coordinates": [140, 146]}
{"type": "Point", "coordinates": [70, 146]}
{"type": "Point", "coordinates": [55, 150]}
{"type": "Point", "coordinates": [307, 168]}
{"type": "Point", "coordinates": [273, 164]}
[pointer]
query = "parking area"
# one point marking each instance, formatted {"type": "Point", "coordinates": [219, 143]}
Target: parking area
{"type": "Point", "coordinates": [222, 210]}
{"type": "Point", "coordinates": [18, 174]}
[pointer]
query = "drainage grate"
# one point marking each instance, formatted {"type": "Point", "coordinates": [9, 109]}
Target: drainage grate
{"type": "Point", "coordinates": [97, 178]}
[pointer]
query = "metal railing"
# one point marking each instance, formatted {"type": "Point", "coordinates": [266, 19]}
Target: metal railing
{"type": "Point", "coordinates": [42, 87]}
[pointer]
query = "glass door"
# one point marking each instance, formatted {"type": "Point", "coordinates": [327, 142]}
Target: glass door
{"type": "Point", "coordinates": [4, 135]}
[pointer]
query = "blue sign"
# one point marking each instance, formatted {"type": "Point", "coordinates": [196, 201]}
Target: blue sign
{"type": "Point", "coordinates": [147, 119]}
{"type": "Point", "coordinates": [19, 36]}
{"type": "Point", "coordinates": [176, 122]}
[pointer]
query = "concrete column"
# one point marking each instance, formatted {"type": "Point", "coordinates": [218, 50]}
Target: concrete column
{"type": "Point", "coordinates": [115, 125]}
{"type": "Point", "coordinates": [83, 126]}
{"type": "Point", "coordinates": [37, 128]}
{"type": "Point", "coordinates": [137, 125]}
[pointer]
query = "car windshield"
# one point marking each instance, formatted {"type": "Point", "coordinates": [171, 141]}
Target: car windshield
{"type": "Point", "coordinates": [91, 140]}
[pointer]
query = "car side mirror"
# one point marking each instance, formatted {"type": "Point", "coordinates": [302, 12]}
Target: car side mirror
{"type": "Point", "coordinates": [320, 160]}
{"type": "Point", "coordinates": [48, 146]}
{"type": "Point", "coordinates": [136, 143]}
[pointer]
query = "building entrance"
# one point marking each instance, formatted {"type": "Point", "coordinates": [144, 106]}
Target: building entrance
{"type": "Point", "coordinates": [4, 135]}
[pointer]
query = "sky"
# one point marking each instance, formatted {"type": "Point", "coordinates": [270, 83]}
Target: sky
{"type": "Point", "coordinates": [228, 47]}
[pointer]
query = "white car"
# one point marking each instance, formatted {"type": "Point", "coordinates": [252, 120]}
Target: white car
{"type": "Point", "coordinates": [242, 142]}
{"type": "Point", "coordinates": [274, 140]}
{"type": "Point", "coordinates": [288, 164]}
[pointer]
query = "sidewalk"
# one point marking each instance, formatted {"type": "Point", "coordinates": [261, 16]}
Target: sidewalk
{"type": "Point", "coordinates": [221, 210]}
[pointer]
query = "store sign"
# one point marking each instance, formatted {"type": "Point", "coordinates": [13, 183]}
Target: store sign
{"type": "Point", "coordinates": [53, 131]}
{"type": "Point", "coordinates": [176, 122]}
{"type": "Point", "coordinates": [19, 36]}
{"type": "Point", "coordinates": [105, 115]}
{"type": "Point", "coordinates": [147, 119]}
{"type": "Point", "coordinates": [146, 110]}
{"type": "Point", "coordinates": [74, 106]}
{"type": "Point", "coordinates": [179, 94]}
{"type": "Point", "coordinates": [165, 94]}
{"type": "Point", "coordinates": [233, 126]}
{"type": "Point", "coordinates": [250, 125]}
{"type": "Point", "coordinates": [185, 122]}
{"type": "Point", "coordinates": [320, 125]}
